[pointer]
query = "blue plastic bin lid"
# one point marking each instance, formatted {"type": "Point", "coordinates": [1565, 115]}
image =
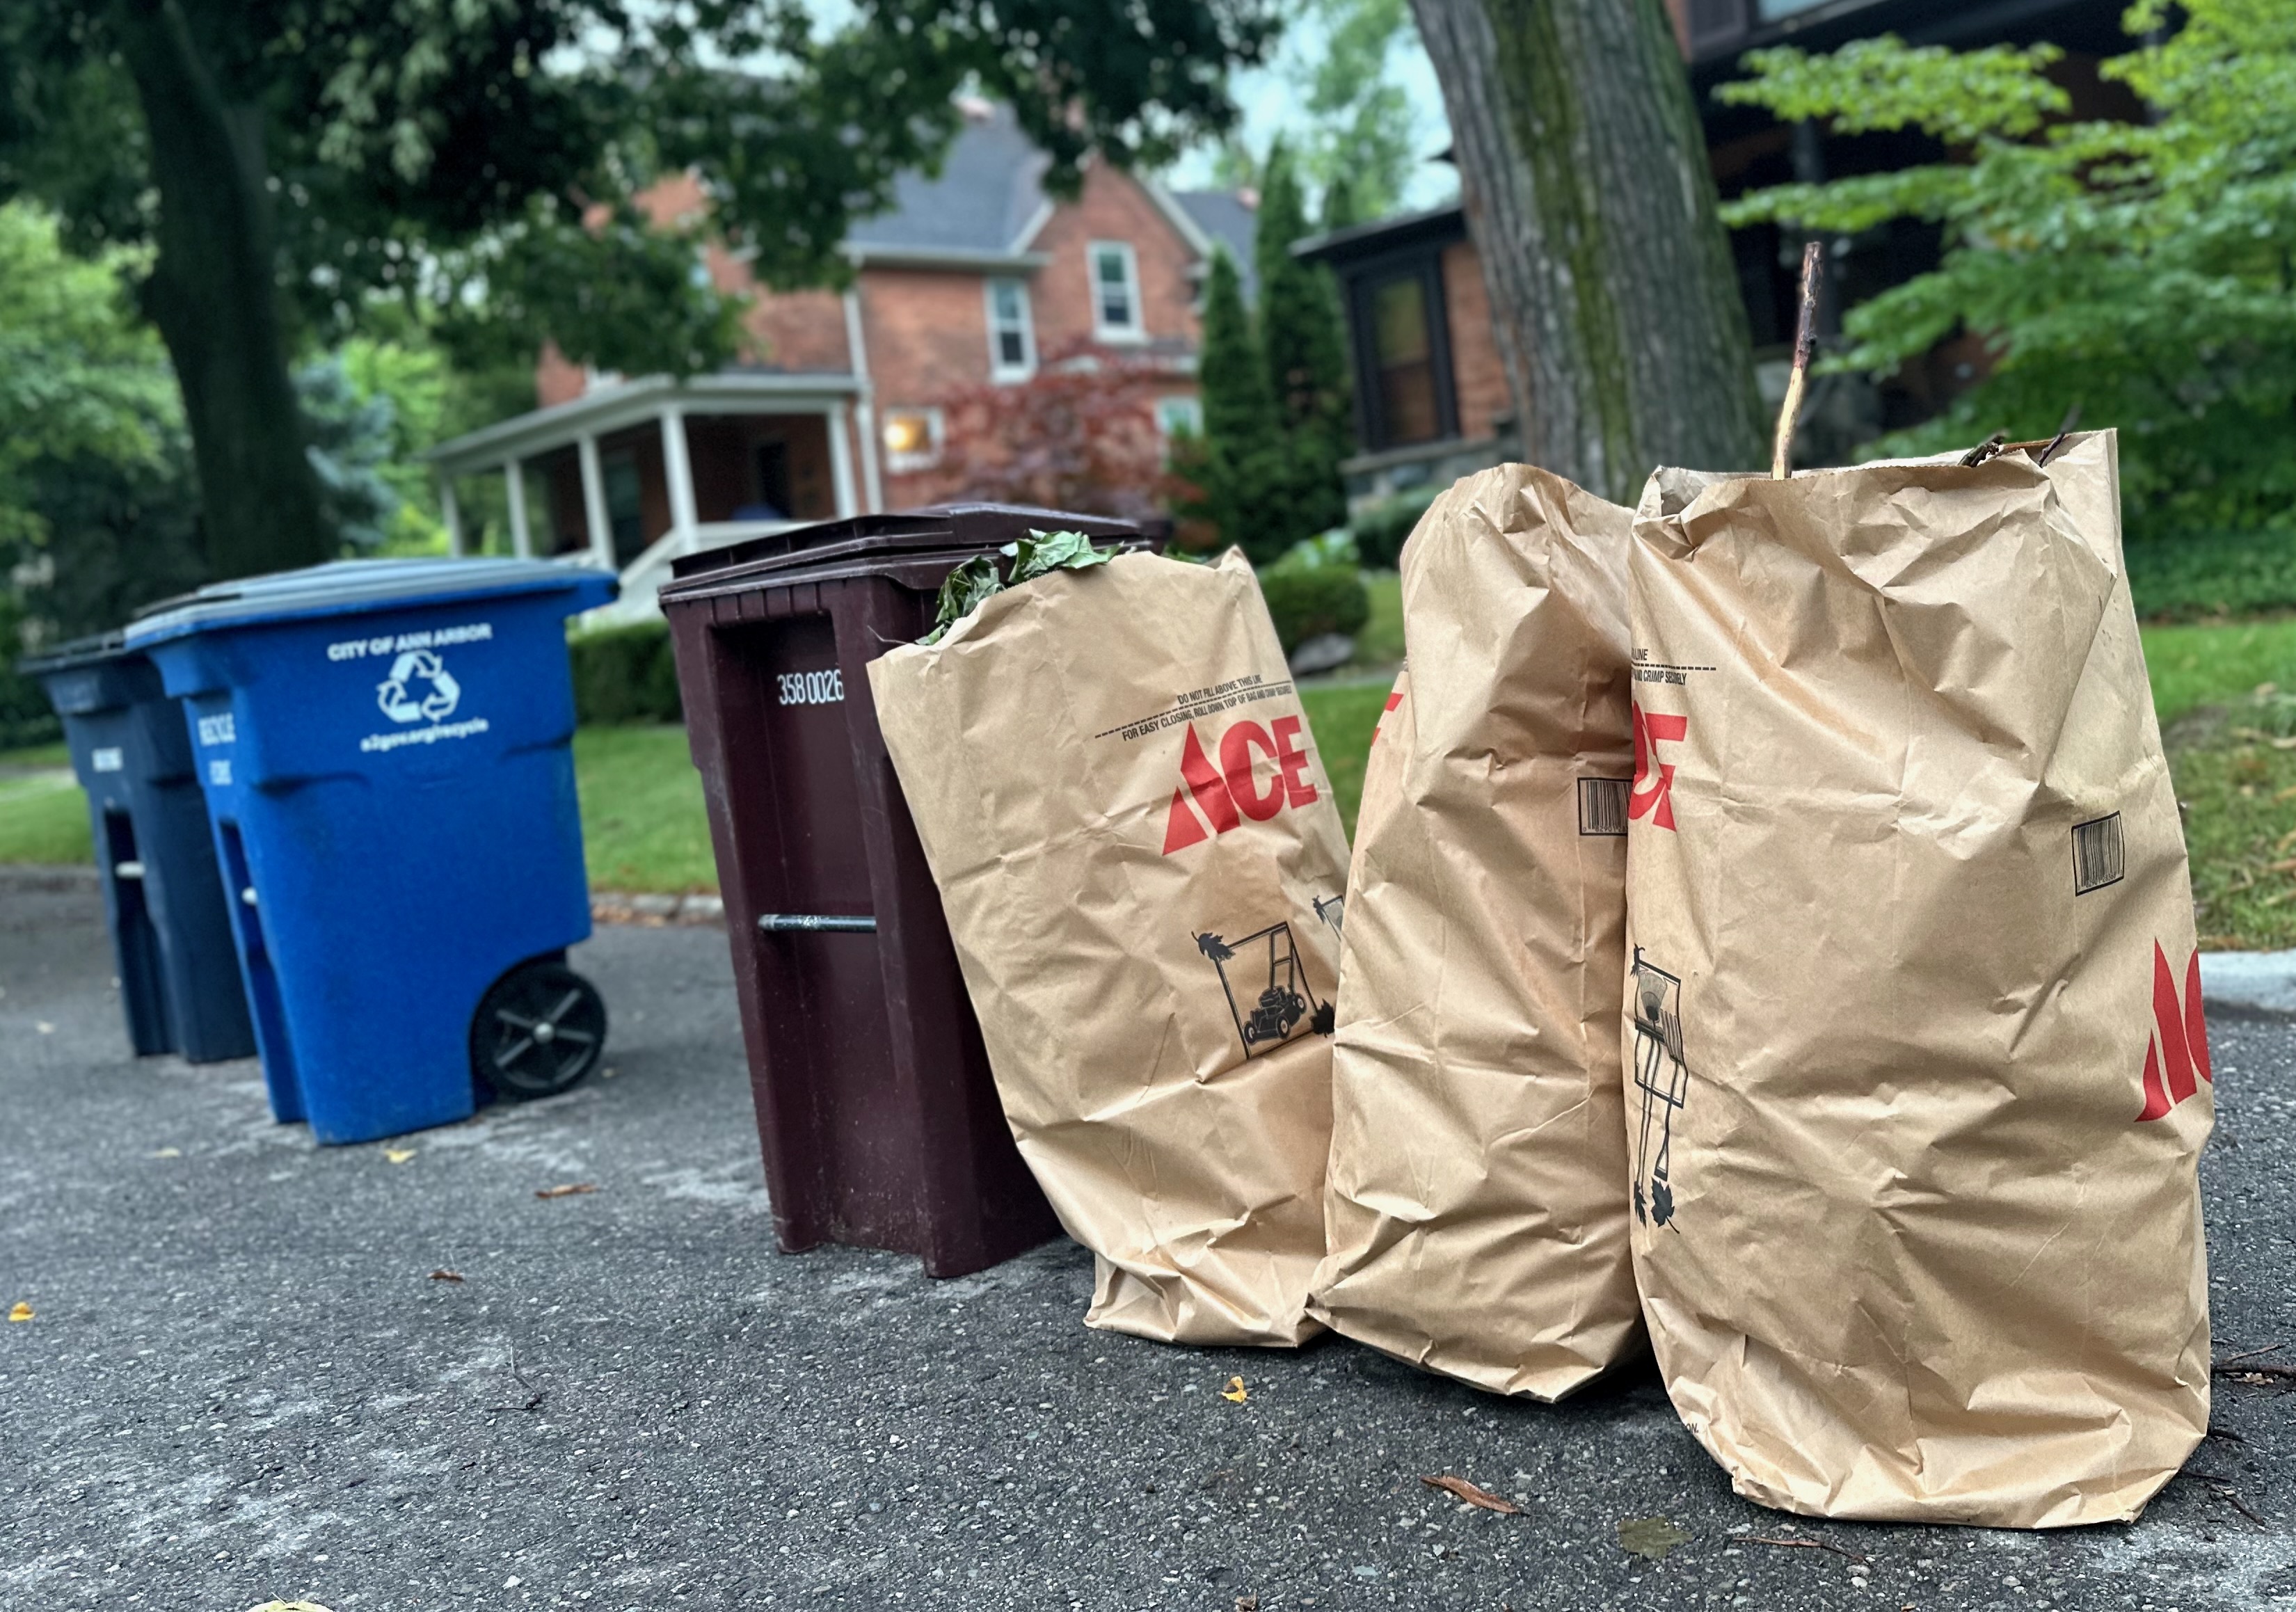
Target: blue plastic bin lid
{"type": "Point", "coordinates": [345, 587]}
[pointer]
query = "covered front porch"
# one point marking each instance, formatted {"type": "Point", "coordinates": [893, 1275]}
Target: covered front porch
{"type": "Point", "coordinates": [633, 475]}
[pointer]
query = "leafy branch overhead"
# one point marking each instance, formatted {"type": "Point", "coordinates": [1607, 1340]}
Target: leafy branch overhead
{"type": "Point", "coordinates": [2144, 269]}
{"type": "Point", "coordinates": [281, 168]}
{"type": "Point", "coordinates": [1037, 555]}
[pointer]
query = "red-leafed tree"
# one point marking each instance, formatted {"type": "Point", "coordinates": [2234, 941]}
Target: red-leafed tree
{"type": "Point", "coordinates": [1080, 434]}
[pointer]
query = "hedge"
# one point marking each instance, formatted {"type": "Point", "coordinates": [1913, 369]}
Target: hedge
{"type": "Point", "coordinates": [1378, 531]}
{"type": "Point", "coordinates": [1307, 600]}
{"type": "Point", "coordinates": [2198, 575]}
{"type": "Point", "coordinates": [625, 673]}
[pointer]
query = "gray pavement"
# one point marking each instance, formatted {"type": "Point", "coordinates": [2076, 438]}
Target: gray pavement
{"type": "Point", "coordinates": [243, 1382]}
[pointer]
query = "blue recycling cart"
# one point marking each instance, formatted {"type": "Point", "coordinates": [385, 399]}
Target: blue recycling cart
{"type": "Point", "coordinates": [170, 929]}
{"type": "Point", "coordinates": [386, 748]}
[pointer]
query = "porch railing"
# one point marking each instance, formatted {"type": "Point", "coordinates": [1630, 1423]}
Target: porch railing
{"type": "Point", "coordinates": [644, 576]}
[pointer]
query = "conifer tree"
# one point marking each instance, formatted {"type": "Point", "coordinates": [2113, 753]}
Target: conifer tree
{"type": "Point", "coordinates": [1304, 351]}
{"type": "Point", "coordinates": [1242, 467]}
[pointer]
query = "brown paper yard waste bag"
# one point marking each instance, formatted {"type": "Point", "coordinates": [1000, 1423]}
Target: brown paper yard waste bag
{"type": "Point", "coordinates": [1142, 866]}
{"type": "Point", "coordinates": [1917, 1072]}
{"type": "Point", "coordinates": [1477, 1209]}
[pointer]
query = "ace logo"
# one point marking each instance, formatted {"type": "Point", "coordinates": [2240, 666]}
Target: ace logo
{"type": "Point", "coordinates": [1653, 794]}
{"type": "Point", "coordinates": [2178, 1047]}
{"type": "Point", "coordinates": [1227, 794]}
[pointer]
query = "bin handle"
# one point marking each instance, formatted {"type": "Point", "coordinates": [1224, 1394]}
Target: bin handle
{"type": "Point", "coordinates": [783, 923]}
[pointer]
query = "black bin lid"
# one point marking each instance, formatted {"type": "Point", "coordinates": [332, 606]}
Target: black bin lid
{"type": "Point", "coordinates": [940, 536]}
{"type": "Point", "coordinates": [95, 650]}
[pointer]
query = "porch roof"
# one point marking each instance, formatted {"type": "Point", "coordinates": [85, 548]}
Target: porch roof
{"type": "Point", "coordinates": [614, 407]}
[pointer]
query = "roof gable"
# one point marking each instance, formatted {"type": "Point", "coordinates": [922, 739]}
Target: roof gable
{"type": "Point", "coordinates": [988, 190]}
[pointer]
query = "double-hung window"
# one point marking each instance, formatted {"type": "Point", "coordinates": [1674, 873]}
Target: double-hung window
{"type": "Point", "coordinates": [1115, 292]}
{"type": "Point", "coordinates": [1012, 336]}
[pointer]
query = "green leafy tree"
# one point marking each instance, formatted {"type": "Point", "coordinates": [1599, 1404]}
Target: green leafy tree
{"type": "Point", "coordinates": [78, 378]}
{"type": "Point", "coordinates": [2144, 271]}
{"type": "Point", "coordinates": [284, 162]}
{"type": "Point", "coordinates": [353, 435]}
{"type": "Point", "coordinates": [1363, 140]}
{"type": "Point", "coordinates": [94, 463]}
{"type": "Point", "coordinates": [1304, 350]}
{"type": "Point", "coordinates": [1240, 463]}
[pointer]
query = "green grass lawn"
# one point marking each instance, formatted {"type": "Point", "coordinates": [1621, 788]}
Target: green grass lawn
{"type": "Point", "coordinates": [644, 825]}
{"type": "Point", "coordinates": [1342, 716]}
{"type": "Point", "coordinates": [43, 814]}
{"type": "Point", "coordinates": [1381, 642]}
{"type": "Point", "coordinates": [2195, 666]}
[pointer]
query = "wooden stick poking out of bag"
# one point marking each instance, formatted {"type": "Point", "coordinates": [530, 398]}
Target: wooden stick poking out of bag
{"type": "Point", "coordinates": [1813, 267]}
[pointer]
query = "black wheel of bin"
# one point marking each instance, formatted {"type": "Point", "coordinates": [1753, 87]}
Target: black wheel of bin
{"type": "Point", "coordinates": [537, 1032]}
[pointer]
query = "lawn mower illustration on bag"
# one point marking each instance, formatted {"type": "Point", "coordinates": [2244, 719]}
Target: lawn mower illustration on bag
{"type": "Point", "coordinates": [1285, 1001]}
{"type": "Point", "coordinates": [1664, 1079]}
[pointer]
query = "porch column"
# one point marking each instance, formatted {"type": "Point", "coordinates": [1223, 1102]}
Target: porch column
{"type": "Point", "coordinates": [840, 462]}
{"type": "Point", "coordinates": [522, 541]}
{"type": "Point", "coordinates": [865, 405]}
{"type": "Point", "coordinates": [593, 505]}
{"type": "Point", "coordinates": [452, 513]}
{"type": "Point", "coordinates": [679, 469]}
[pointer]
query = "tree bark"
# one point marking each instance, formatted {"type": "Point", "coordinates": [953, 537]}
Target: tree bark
{"type": "Point", "coordinates": [213, 295]}
{"type": "Point", "coordinates": [1614, 302]}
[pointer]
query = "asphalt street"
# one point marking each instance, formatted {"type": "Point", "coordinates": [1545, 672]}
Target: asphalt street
{"type": "Point", "coordinates": [245, 1381]}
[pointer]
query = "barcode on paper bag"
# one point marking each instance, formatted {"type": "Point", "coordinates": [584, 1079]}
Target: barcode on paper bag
{"type": "Point", "coordinates": [2098, 858]}
{"type": "Point", "coordinates": [1602, 805]}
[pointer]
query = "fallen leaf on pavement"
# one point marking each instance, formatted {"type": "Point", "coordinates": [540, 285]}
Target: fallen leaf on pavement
{"type": "Point", "coordinates": [1235, 1393]}
{"type": "Point", "coordinates": [397, 1155]}
{"type": "Point", "coordinates": [168, 1153]}
{"type": "Point", "coordinates": [1651, 1537]}
{"type": "Point", "coordinates": [443, 1274]}
{"type": "Point", "coordinates": [22, 1312]}
{"type": "Point", "coordinates": [1474, 1494]}
{"type": "Point", "coordinates": [1247, 1603]}
{"type": "Point", "coordinates": [572, 1189]}
{"type": "Point", "coordinates": [1808, 1544]}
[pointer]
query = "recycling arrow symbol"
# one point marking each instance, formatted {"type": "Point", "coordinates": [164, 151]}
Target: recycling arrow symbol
{"type": "Point", "coordinates": [419, 685]}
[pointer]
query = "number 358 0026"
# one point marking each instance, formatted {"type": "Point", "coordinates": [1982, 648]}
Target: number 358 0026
{"type": "Point", "coordinates": [812, 688]}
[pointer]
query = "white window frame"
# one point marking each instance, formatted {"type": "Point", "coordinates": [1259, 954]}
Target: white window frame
{"type": "Point", "coordinates": [934, 428]}
{"type": "Point", "coordinates": [1176, 404]}
{"type": "Point", "coordinates": [1101, 331]}
{"type": "Point", "coordinates": [998, 370]}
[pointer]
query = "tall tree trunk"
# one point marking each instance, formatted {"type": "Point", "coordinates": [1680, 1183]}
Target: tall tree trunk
{"type": "Point", "coordinates": [1582, 168]}
{"type": "Point", "coordinates": [214, 296]}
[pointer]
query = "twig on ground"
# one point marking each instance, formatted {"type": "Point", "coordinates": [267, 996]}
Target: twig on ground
{"type": "Point", "coordinates": [2249, 1353]}
{"type": "Point", "coordinates": [2227, 1493]}
{"type": "Point", "coordinates": [2256, 1374]}
{"type": "Point", "coordinates": [1813, 269]}
{"type": "Point", "coordinates": [1473, 1494]}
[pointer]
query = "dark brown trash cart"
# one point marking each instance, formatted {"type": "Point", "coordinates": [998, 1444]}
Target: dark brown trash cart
{"type": "Point", "coordinates": [878, 1118]}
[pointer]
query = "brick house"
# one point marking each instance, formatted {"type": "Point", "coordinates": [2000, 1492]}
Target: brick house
{"type": "Point", "coordinates": [1432, 397]}
{"type": "Point", "coordinates": [838, 407]}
